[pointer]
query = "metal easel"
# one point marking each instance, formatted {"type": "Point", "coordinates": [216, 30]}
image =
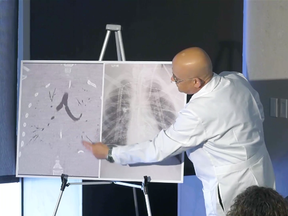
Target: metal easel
{"type": "Point", "coordinates": [147, 179]}
{"type": "Point", "coordinates": [119, 43]}
{"type": "Point", "coordinates": [143, 187]}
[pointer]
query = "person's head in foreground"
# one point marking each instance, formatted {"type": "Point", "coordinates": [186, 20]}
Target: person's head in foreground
{"type": "Point", "coordinates": [259, 201]}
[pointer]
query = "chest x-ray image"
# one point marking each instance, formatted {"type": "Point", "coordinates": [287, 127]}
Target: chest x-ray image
{"type": "Point", "coordinates": [59, 105]}
{"type": "Point", "coordinates": [139, 100]}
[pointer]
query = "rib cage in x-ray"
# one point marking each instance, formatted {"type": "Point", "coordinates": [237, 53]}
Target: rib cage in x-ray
{"type": "Point", "coordinates": [162, 109]}
{"type": "Point", "coordinates": [136, 111]}
{"type": "Point", "coordinates": [117, 114]}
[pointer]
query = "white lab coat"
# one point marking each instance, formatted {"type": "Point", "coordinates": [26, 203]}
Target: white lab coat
{"type": "Point", "coordinates": [221, 131]}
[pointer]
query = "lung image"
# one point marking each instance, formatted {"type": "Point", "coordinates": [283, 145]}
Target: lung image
{"type": "Point", "coordinates": [139, 100]}
{"type": "Point", "coordinates": [117, 114]}
{"type": "Point", "coordinates": [59, 106]}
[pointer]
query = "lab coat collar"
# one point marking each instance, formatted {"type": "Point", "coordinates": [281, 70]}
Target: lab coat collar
{"type": "Point", "coordinates": [209, 87]}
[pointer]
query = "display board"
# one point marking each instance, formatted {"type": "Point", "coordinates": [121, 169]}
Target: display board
{"type": "Point", "coordinates": [120, 103]}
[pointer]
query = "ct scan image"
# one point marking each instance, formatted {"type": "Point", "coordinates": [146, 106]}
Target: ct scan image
{"type": "Point", "coordinates": [59, 105]}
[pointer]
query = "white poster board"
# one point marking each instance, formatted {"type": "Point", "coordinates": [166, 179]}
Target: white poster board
{"type": "Point", "coordinates": [63, 102]}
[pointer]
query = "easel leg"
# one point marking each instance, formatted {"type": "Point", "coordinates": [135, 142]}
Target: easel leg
{"type": "Point", "coordinates": [148, 205]}
{"type": "Point", "coordinates": [147, 179]}
{"type": "Point", "coordinates": [104, 45]}
{"type": "Point", "coordinates": [118, 39]}
{"type": "Point", "coordinates": [57, 204]}
{"type": "Point", "coordinates": [144, 188]}
{"type": "Point", "coordinates": [64, 179]}
{"type": "Point", "coordinates": [135, 202]}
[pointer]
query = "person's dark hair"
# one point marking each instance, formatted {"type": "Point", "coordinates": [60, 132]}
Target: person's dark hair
{"type": "Point", "coordinates": [259, 201]}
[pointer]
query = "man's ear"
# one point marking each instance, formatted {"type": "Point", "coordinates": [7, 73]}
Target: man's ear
{"type": "Point", "coordinates": [198, 83]}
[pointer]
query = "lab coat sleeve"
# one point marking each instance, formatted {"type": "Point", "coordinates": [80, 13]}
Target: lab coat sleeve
{"type": "Point", "coordinates": [186, 132]}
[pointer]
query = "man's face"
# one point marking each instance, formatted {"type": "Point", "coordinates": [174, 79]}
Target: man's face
{"type": "Point", "coordinates": [184, 84]}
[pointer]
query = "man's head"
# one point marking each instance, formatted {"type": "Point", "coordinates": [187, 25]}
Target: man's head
{"type": "Point", "coordinates": [192, 69]}
{"type": "Point", "coordinates": [259, 201]}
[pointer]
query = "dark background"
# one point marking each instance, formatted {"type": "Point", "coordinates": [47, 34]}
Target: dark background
{"type": "Point", "coordinates": [152, 30]}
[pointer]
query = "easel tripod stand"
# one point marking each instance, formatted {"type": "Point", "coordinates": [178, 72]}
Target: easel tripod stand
{"type": "Point", "coordinates": [147, 179]}
{"type": "Point", "coordinates": [143, 187]}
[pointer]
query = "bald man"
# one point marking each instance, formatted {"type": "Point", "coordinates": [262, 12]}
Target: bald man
{"type": "Point", "coordinates": [220, 129]}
